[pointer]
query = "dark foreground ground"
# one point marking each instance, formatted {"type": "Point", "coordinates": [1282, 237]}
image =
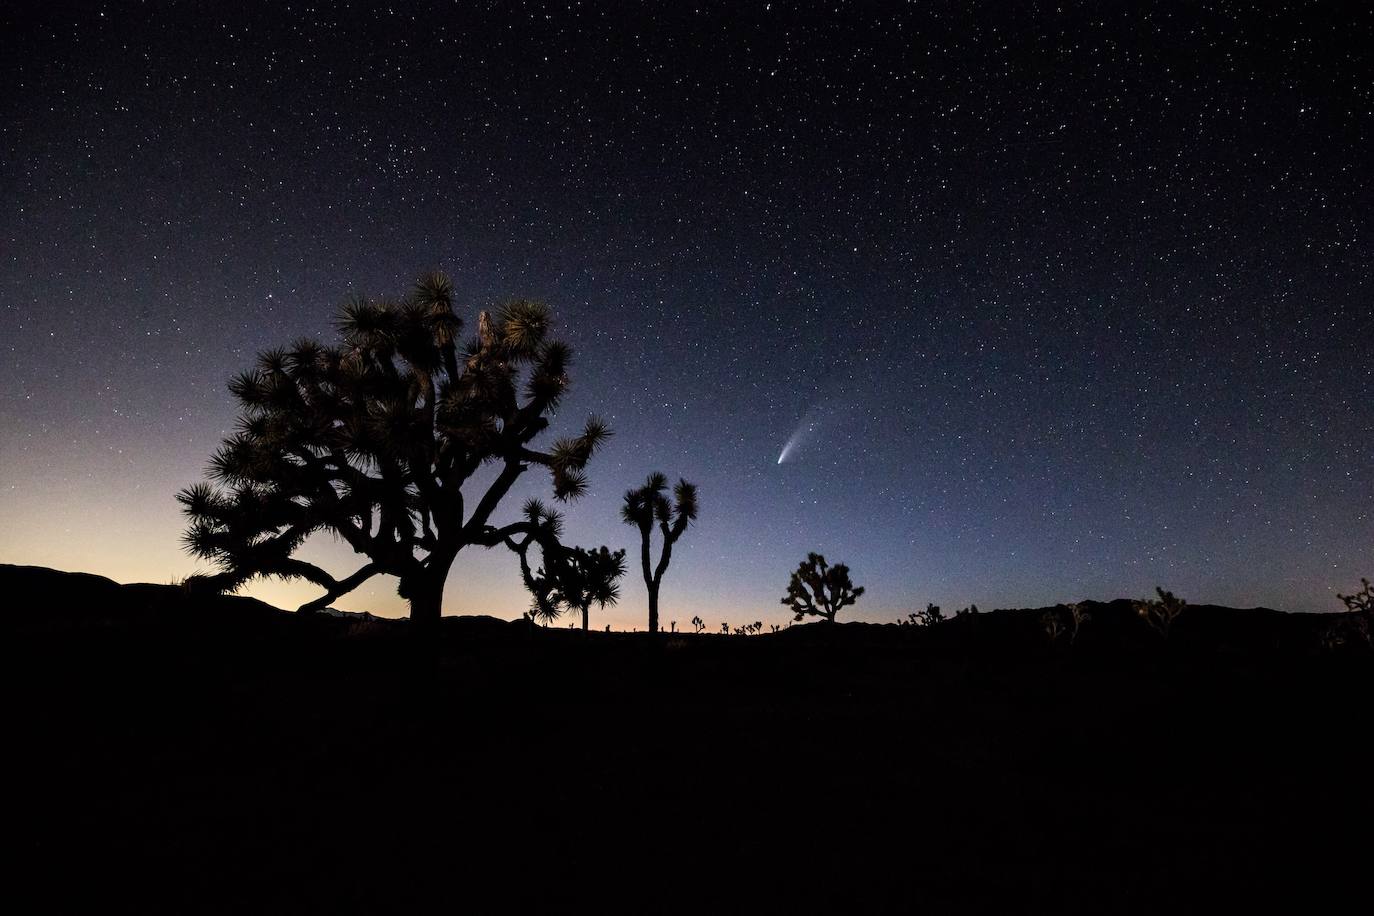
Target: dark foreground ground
{"type": "Point", "coordinates": [224, 756]}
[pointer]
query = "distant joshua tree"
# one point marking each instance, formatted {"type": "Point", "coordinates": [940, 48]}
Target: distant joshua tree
{"type": "Point", "coordinates": [1362, 602]}
{"type": "Point", "coordinates": [372, 440]}
{"type": "Point", "coordinates": [647, 505]}
{"type": "Point", "coordinates": [1053, 625]}
{"type": "Point", "coordinates": [1065, 621]}
{"type": "Point", "coordinates": [698, 624]}
{"type": "Point", "coordinates": [1161, 613]}
{"type": "Point", "coordinates": [1353, 628]}
{"type": "Point", "coordinates": [820, 590]}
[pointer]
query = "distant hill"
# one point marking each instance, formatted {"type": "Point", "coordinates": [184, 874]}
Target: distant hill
{"type": "Point", "coordinates": [53, 601]}
{"type": "Point", "coordinates": [39, 598]}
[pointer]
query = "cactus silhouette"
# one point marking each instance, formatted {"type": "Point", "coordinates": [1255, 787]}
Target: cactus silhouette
{"type": "Point", "coordinates": [820, 590]}
{"type": "Point", "coordinates": [647, 505]}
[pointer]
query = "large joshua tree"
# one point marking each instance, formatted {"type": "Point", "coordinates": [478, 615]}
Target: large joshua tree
{"type": "Point", "coordinates": [820, 590]}
{"type": "Point", "coordinates": [647, 505]}
{"type": "Point", "coordinates": [374, 439]}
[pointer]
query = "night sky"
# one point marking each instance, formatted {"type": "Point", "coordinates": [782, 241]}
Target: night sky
{"type": "Point", "coordinates": [1059, 302]}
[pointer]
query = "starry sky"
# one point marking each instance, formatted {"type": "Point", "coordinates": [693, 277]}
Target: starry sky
{"type": "Point", "coordinates": [1052, 300]}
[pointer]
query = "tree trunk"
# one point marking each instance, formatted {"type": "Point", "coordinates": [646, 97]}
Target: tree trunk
{"type": "Point", "coordinates": [653, 608]}
{"type": "Point", "coordinates": [426, 606]}
{"type": "Point", "coordinates": [584, 618]}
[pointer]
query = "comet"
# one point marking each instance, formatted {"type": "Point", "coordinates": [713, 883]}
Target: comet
{"type": "Point", "coordinates": [810, 423]}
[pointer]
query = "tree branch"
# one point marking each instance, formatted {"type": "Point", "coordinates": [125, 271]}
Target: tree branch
{"type": "Point", "coordinates": [339, 588]}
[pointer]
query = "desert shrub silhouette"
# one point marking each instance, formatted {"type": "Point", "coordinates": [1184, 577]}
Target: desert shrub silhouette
{"type": "Point", "coordinates": [1160, 613]}
{"type": "Point", "coordinates": [372, 441]}
{"type": "Point", "coordinates": [819, 590]}
{"type": "Point", "coordinates": [1064, 622]}
{"type": "Point", "coordinates": [927, 618]}
{"type": "Point", "coordinates": [643, 507]}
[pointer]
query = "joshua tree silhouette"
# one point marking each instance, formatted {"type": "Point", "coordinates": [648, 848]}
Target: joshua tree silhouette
{"type": "Point", "coordinates": [372, 440]}
{"type": "Point", "coordinates": [1361, 602]}
{"type": "Point", "coordinates": [544, 527]}
{"type": "Point", "coordinates": [593, 578]}
{"type": "Point", "coordinates": [646, 505]}
{"type": "Point", "coordinates": [1161, 613]}
{"type": "Point", "coordinates": [819, 589]}
{"type": "Point", "coordinates": [584, 577]}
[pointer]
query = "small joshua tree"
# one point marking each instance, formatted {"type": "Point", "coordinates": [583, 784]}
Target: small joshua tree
{"type": "Point", "coordinates": [1065, 621]}
{"type": "Point", "coordinates": [1352, 629]}
{"type": "Point", "coordinates": [1360, 602]}
{"type": "Point", "coordinates": [1078, 615]}
{"type": "Point", "coordinates": [649, 504]}
{"type": "Point", "coordinates": [572, 578]}
{"type": "Point", "coordinates": [594, 578]}
{"type": "Point", "coordinates": [1161, 613]}
{"type": "Point", "coordinates": [819, 589]}
{"type": "Point", "coordinates": [927, 618]}
{"type": "Point", "coordinates": [1054, 627]}
{"type": "Point", "coordinates": [698, 624]}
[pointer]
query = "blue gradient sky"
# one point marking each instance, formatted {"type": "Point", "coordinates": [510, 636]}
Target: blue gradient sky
{"type": "Point", "coordinates": [1080, 300]}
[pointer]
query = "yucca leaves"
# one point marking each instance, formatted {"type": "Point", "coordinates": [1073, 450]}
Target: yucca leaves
{"type": "Point", "coordinates": [684, 501]}
{"type": "Point", "coordinates": [434, 290]}
{"type": "Point", "coordinates": [569, 484]}
{"type": "Point", "coordinates": [522, 325]}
